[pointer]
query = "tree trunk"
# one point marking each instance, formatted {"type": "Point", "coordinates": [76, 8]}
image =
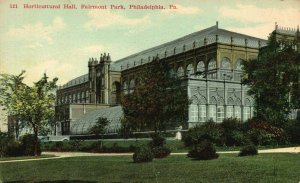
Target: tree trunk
{"type": "Point", "coordinates": [36, 141]}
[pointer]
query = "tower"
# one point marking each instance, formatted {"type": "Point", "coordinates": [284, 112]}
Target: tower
{"type": "Point", "coordinates": [105, 62]}
{"type": "Point", "coordinates": [92, 80]}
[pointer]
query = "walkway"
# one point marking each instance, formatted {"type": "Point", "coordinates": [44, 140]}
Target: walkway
{"type": "Point", "coordinates": [78, 154]}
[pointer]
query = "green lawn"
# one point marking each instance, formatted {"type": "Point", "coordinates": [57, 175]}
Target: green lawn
{"type": "Point", "coordinates": [24, 157]}
{"type": "Point", "coordinates": [228, 168]}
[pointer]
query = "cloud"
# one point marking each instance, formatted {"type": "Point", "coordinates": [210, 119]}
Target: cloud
{"type": "Point", "coordinates": [53, 68]}
{"type": "Point", "coordinates": [184, 10]}
{"type": "Point", "coordinates": [93, 49]}
{"type": "Point", "coordinates": [36, 35]}
{"type": "Point", "coordinates": [101, 19]}
{"type": "Point", "coordinates": [254, 14]}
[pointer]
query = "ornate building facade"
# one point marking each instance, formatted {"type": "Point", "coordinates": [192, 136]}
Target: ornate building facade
{"type": "Point", "coordinates": [209, 62]}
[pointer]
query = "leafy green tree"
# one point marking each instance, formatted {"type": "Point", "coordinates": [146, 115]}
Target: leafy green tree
{"type": "Point", "coordinates": [273, 79]}
{"type": "Point", "coordinates": [158, 101]}
{"type": "Point", "coordinates": [33, 105]}
{"type": "Point", "coordinates": [100, 126]}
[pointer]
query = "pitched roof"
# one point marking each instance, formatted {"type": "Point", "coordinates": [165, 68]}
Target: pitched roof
{"type": "Point", "coordinates": [186, 43]}
{"type": "Point", "coordinates": [84, 123]}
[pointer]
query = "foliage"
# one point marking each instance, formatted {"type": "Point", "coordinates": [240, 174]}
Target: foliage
{"type": "Point", "coordinates": [233, 134]}
{"type": "Point", "coordinates": [160, 151]}
{"type": "Point", "coordinates": [75, 144]}
{"type": "Point", "coordinates": [273, 79]}
{"type": "Point", "coordinates": [143, 154]}
{"type": "Point", "coordinates": [5, 139]}
{"type": "Point", "coordinates": [207, 131]}
{"type": "Point", "coordinates": [263, 133]}
{"type": "Point", "coordinates": [203, 151]}
{"type": "Point", "coordinates": [248, 150]}
{"type": "Point", "coordinates": [28, 145]}
{"type": "Point", "coordinates": [100, 126]}
{"type": "Point", "coordinates": [157, 140]}
{"type": "Point", "coordinates": [292, 128]}
{"type": "Point", "coordinates": [33, 105]}
{"type": "Point", "coordinates": [24, 147]}
{"type": "Point", "coordinates": [158, 101]}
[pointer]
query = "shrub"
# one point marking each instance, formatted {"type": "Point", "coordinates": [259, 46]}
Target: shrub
{"type": "Point", "coordinates": [207, 131]}
{"type": "Point", "coordinates": [161, 152]}
{"type": "Point", "coordinates": [203, 151]}
{"type": "Point", "coordinates": [248, 150]}
{"type": "Point", "coordinates": [142, 154]}
{"type": "Point", "coordinates": [292, 128]}
{"type": "Point", "coordinates": [233, 133]}
{"type": "Point", "coordinates": [75, 145]}
{"type": "Point", "coordinates": [263, 133]}
{"type": "Point", "coordinates": [14, 149]}
{"type": "Point", "coordinates": [157, 140]}
{"type": "Point", "coordinates": [5, 139]}
{"type": "Point", "coordinates": [27, 142]}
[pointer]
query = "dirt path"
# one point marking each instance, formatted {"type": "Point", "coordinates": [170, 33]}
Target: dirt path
{"type": "Point", "coordinates": [78, 154]}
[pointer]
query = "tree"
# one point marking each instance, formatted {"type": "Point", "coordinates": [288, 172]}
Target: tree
{"type": "Point", "coordinates": [273, 79]}
{"type": "Point", "coordinates": [100, 126]}
{"type": "Point", "coordinates": [33, 105]}
{"type": "Point", "coordinates": [158, 101]}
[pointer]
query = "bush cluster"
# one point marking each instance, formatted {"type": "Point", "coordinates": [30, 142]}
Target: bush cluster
{"type": "Point", "coordinates": [231, 132]}
{"type": "Point", "coordinates": [143, 154]}
{"type": "Point", "coordinates": [248, 150]}
{"type": "Point", "coordinates": [157, 146]}
{"type": "Point", "coordinates": [10, 147]}
{"type": "Point", "coordinates": [78, 145]}
{"type": "Point", "coordinates": [203, 151]}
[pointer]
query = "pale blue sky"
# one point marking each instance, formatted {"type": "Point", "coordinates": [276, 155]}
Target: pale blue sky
{"type": "Point", "coordinates": [60, 42]}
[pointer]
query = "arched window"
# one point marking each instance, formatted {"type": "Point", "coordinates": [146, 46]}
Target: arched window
{"type": "Point", "coordinates": [189, 70]}
{"type": "Point", "coordinates": [180, 72]}
{"type": "Point", "coordinates": [239, 64]}
{"type": "Point", "coordinates": [200, 66]}
{"type": "Point", "coordinates": [125, 87]}
{"type": "Point", "coordinates": [225, 63]}
{"type": "Point", "coordinates": [131, 85]}
{"type": "Point", "coordinates": [212, 64]}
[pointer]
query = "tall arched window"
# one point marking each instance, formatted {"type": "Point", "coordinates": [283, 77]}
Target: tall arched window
{"type": "Point", "coordinates": [200, 66]}
{"type": "Point", "coordinates": [180, 72]}
{"type": "Point", "coordinates": [239, 64]}
{"type": "Point", "coordinates": [189, 70]}
{"type": "Point", "coordinates": [125, 87]}
{"type": "Point", "coordinates": [131, 86]}
{"type": "Point", "coordinates": [225, 63]}
{"type": "Point", "coordinates": [212, 64]}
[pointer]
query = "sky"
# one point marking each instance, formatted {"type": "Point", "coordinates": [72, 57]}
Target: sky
{"type": "Point", "coordinates": [60, 42]}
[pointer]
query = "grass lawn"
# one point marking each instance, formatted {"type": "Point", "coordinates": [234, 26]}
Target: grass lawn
{"type": "Point", "coordinates": [177, 168]}
{"type": "Point", "coordinates": [24, 157]}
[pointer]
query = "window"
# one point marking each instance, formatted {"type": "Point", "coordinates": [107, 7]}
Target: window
{"type": "Point", "coordinates": [247, 113]}
{"type": "Point", "coordinates": [220, 113]}
{"type": "Point", "coordinates": [212, 112]}
{"type": "Point", "coordinates": [202, 113]}
{"type": "Point", "coordinates": [125, 87]}
{"type": "Point", "coordinates": [193, 113]}
{"type": "Point", "coordinates": [237, 112]}
{"type": "Point", "coordinates": [189, 70]}
{"type": "Point", "coordinates": [180, 72]}
{"type": "Point", "coordinates": [131, 86]}
{"type": "Point", "coordinates": [212, 64]}
{"type": "Point", "coordinates": [225, 63]}
{"type": "Point", "coordinates": [229, 111]}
